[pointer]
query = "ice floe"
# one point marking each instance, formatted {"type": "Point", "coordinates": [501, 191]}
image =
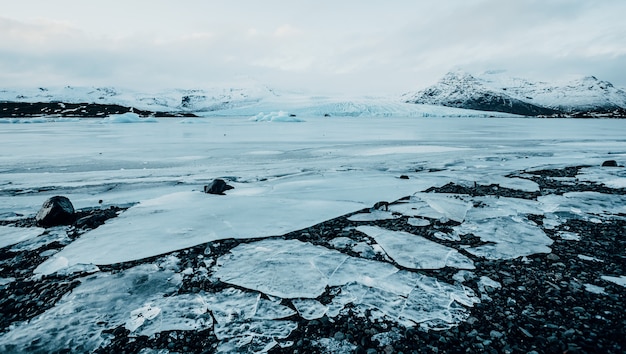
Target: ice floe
{"type": "Point", "coordinates": [416, 252]}
{"type": "Point", "coordinates": [435, 206]}
{"type": "Point", "coordinates": [507, 237]}
{"type": "Point", "coordinates": [297, 270]}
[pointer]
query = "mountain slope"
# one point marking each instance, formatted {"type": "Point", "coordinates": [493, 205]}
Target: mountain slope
{"type": "Point", "coordinates": [461, 90]}
{"type": "Point", "coordinates": [494, 91]}
{"type": "Point", "coordinates": [102, 101]}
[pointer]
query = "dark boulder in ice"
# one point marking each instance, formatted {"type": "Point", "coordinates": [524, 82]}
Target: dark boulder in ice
{"type": "Point", "coordinates": [57, 210]}
{"type": "Point", "coordinates": [218, 186]}
{"type": "Point", "coordinates": [609, 163]}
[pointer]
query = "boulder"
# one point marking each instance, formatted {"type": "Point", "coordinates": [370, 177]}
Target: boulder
{"type": "Point", "coordinates": [218, 186]}
{"type": "Point", "coordinates": [57, 210]}
{"type": "Point", "coordinates": [609, 163]}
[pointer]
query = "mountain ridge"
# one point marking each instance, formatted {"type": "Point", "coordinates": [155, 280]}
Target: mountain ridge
{"type": "Point", "coordinates": [456, 94]}
{"type": "Point", "coordinates": [494, 91]}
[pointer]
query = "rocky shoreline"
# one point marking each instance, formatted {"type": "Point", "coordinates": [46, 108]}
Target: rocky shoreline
{"type": "Point", "coordinates": [559, 302]}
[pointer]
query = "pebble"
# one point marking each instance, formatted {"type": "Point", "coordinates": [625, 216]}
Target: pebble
{"type": "Point", "coordinates": [339, 336]}
{"type": "Point", "coordinates": [569, 333]}
{"type": "Point", "coordinates": [553, 257]}
{"type": "Point", "coordinates": [496, 334]}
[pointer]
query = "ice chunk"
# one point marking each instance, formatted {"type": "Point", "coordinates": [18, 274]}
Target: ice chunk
{"type": "Point", "coordinates": [449, 205]}
{"type": "Point", "coordinates": [268, 310]}
{"type": "Point", "coordinates": [508, 237]}
{"type": "Point", "coordinates": [418, 222]}
{"type": "Point", "coordinates": [569, 236]}
{"type": "Point", "coordinates": [6, 281]}
{"type": "Point", "coordinates": [179, 312]}
{"type": "Point", "coordinates": [492, 207]}
{"type": "Point", "coordinates": [585, 204]}
{"type": "Point", "coordinates": [128, 117]}
{"type": "Point", "coordinates": [589, 258]}
{"type": "Point", "coordinates": [416, 252]}
{"type": "Point", "coordinates": [621, 280]}
{"type": "Point", "coordinates": [610, 177]}
{"type": "Point", "coordinates": [254, 336]}
{"type": "Point", "coordinates": [279, 116]}
{"type": "Point", "coordinates": [342, 242]}
{"type": "Point", "coordinates": [283, 268]}
{"type": "Point", "coordinates": [309, 309]}
{"type": "Point", "coordinates": [447, 236]}
{"type": "Point", "coordinates": [594, 289]}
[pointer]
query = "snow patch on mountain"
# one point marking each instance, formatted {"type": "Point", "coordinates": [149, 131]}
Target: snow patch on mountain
{"type": "Point", "coordinates": [496, 91]}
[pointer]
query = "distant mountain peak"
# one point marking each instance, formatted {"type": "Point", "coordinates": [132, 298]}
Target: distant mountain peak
{"type": "Point", "coordinates": [496, 91]}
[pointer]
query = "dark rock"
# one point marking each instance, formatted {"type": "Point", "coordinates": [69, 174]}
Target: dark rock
{"type": "Point", "coordinates": [218, 186]}
{"type": "Point", "coordinates": [57, 210]}
{"type": "Point", "coordinates": [404, 177]}
{"type": "Point", "coordinates": [609, 163]}
{"type": "Point", "coordinates": [66, 109]}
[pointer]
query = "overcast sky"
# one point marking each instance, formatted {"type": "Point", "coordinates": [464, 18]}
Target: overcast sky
{"type": "Point", "coordinates": [349, 46]}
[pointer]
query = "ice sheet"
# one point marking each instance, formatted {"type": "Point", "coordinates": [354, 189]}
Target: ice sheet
{"type": "Point", "coordinates": [10, 235]}
{"type": "Point", "coordinates": [192, 218]}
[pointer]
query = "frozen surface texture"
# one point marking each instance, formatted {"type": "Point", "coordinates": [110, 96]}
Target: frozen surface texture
{"type": "Point", "coordinates": [255, 265]}
{"type": "Point", "coordinates": [416, 252]}
{"type": "Point", "coordinates": [293, 269]}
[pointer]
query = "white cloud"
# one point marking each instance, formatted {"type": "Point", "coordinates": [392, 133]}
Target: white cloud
{"type": "Point", "coordinates": [348, 46]}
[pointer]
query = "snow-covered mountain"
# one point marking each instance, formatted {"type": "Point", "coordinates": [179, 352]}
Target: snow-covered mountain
{"type": "Point", "coordinates": [243, 99]}
{"type": "Point", "coordinates": [104, 99]}
{"type": "Point", "coordinates": [457, 94]}
{"type": "Point", "coordinates": [495, 91]}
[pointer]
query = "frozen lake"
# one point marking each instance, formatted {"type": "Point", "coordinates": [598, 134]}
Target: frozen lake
{"type": "Point", "coordinates": [287, 177]}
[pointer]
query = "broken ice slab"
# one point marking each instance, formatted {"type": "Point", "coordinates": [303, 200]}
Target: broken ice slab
{"type": "Point", "coordinates": [435, 206]}
{"type": "Point", "coordinates": [283, 268]}
{"type": "Point", "coordinates": [584, 204]}
{"type": "Point", "coordinates": [508, 237]}
{"type": "Point", "coordinates": [298, 270]}
{"type": "Point", "coordinates": [610, 177]}
{"type": "Point", "coordinates": [76, 323]}
{"type": "Point", "coordinates": [309, 309]}
{"type": "Point", "coordinates": [492, 207]}
{"type": "Point", "coordinates": [418, 222]}
{"type": "Point", "coordinates": [415, 252]}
